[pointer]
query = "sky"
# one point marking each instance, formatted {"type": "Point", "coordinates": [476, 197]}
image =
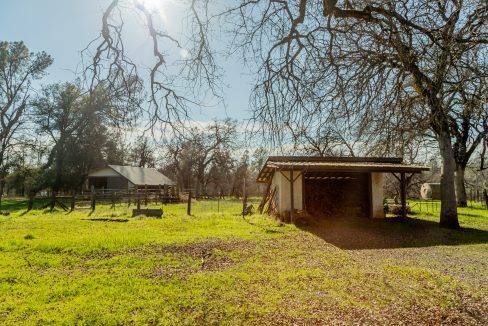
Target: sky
{"type": "Point", "coordinates": [63, 28]}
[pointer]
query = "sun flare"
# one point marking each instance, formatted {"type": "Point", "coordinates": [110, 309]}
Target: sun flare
{"type": "Point", "coordinates": [152, 5]}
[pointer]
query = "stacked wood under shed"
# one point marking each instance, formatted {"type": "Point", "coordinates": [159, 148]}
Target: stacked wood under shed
{"type": "Point", "coordinates": [336, 195]}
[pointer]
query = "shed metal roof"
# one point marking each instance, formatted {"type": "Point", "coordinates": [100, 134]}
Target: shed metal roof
{"type": "Point", "coordinates": [336, 164]}
{"type": "Point", "coordinates": [142, 176]}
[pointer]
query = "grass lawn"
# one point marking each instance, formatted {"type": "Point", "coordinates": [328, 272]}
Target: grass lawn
{"type": "Point", "coordinates": [217, 268]}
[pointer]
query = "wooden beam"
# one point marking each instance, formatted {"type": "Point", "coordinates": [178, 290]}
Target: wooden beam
{"type": "Point", "coordinates": [283, 174]}
{"type": "Point", "coordinates": [370, 193]}
{"type": "Point", "coordinates": [303, 192]}
{"type": "Point", "coordinates": [298, 175]}
{"type": "Point", "coordinates": [292, 195]}
{"type": "Point", "coordinates": [403, 195]}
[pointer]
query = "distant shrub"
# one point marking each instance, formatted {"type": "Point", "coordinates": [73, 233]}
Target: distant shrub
{"type": "Point", "coordinates": [28, 237]}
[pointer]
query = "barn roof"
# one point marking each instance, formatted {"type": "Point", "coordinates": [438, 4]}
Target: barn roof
{"type": "Point", "coordinates": [336, 164]}
{"type": "Point", "coordinates": [142, 176]}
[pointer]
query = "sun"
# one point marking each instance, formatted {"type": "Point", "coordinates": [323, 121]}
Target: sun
{"type": "Point", "coordinates": [152, 5]}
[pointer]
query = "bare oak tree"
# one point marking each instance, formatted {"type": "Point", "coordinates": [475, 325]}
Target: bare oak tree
{"type": "Point", "coordinates": [173, 83]}
{"type": "Point", "coordinates": [376, 60]}
{"type": "Point", "coordinates": [369, 57]}
{"type": "Point", "coordinates": [18, 68]}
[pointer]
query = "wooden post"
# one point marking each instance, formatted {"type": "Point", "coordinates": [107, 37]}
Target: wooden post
{"type": "Point", "coordinates": [145, 195]}
{"type": "Point", "coordinates": [93, 199]}
{"type": "Point", "coordinates": [244, 198]}
{"type": "Point", "coordinates": [188, 207]}
{"type": "Point", "coordinates": [138, 195]}
{"type": "Point", "coordinates": [128, 198]}
{"type": "Point", "coordinates": [53, 199]}
{"type": "Point", "coordinates": [292, 197]}
{"type": "Point", "coordinates": [403, 195]}
{"type": "Point", "coordinates": [30, 203]}
{"type": "Point", "coordinates": [73, 202]}
{"type": "Point", "coordinates": [370, 194]}
{"type": "Point", "coordinates": [161, 195]}
{"type": "Point", "coordinates": [113, 199]}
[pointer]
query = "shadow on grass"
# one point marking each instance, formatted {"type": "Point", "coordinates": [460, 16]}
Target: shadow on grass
{"type": "Point", "coordinates": [357, 233]}
{"type": "Point", "coordinates": [12, 205]}
{"type": "Point", "coordinates": [106, 219]}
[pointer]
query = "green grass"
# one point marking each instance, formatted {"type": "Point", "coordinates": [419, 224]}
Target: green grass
{"type": "Point", "coordinates": [67, 268]}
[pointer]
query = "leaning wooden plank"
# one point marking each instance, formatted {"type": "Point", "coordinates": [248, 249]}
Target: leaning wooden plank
{"type": "Point", "coordinates": [271, 201]}
{"type": "Point", "coordinates": [265, 199]}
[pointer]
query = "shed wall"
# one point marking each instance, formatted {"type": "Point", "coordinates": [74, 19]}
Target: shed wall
{"type": "Point", "coordinates": [283, 197]}
{"type": "Point", "coordinates": [377, 181]}
{"type": "Point", "coordinates": [117, 183]}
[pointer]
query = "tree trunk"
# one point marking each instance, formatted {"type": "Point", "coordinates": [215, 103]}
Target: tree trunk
{"type": "Point", "coordinates": [2, 186]}
{"type": "Point", "coordinates": [448, 218]}
{"type": "Point", "coordinates": [462, 200]}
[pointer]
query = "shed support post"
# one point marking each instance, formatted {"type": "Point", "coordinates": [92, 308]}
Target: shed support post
{"type": "Point", "coordinates": [292, 196]}
{"type": "Point", "coordinates": [403, 195]}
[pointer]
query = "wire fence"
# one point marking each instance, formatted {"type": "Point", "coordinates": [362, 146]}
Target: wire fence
{"type": "Point", "coordinates": [124, 203]}
{"type": "Point", "coordinates": [433, 207]}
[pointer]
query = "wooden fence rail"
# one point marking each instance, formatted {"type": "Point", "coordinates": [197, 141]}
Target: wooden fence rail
{"type": "Point", "coordinates": [109, 197]}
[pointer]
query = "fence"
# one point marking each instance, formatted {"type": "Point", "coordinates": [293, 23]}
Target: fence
{"type": "Point", "coordinates": [434, 206]}
{"type": "Point", "coordinates": [145, 199]}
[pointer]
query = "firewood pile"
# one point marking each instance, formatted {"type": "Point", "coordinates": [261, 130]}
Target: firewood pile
{"type": "Point", "coordinates": [336, 198]}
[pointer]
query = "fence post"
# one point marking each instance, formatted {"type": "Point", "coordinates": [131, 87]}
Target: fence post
{"type": "Point", "coordinates": [128, 198]}
{"type": "Point", "coordinates": [145, 195]}
{"type": "Point", "coordinates": [244, 198]}
{"type": "Point", "coordinates": [188, 207]}
{"type": "Point", "coordinates": [113, 199]}
{"type": "Point", "coordinates": [160, 194]}
{"type": "Point", "coordinates": [138, 194]}
{"type": "Point", "coordinates": [30, 203]}
{"type": "Point", "coordinates": [93, 199]}
{"type": "Point", "coordinates": [73, 201]}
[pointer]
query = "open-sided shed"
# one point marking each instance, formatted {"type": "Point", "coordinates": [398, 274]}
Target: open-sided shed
{"type": "Point", "coordinates": [332, 186]}
{"type": "Point", "coordinates": [120, 177]}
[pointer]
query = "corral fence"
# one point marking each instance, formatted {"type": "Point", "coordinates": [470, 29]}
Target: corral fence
{"type": "Point", "coordinates": [107, 196]}
{"type": "Point", "coordinates": [181, 202]}
{"type": "Point", "coordinates": [434, 206]}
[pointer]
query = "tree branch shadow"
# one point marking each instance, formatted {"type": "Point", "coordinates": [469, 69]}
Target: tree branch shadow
{"type": "Point", "coordinates": [361, 233]}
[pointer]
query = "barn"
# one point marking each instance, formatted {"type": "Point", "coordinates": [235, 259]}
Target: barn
{"type": "Point", "coordinates": [120, 177]}
{"type": "Point", "coordinates": [332, 186]}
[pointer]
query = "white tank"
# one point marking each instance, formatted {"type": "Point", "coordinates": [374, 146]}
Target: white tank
{"type": "Point", "coordinates": [430, 191]}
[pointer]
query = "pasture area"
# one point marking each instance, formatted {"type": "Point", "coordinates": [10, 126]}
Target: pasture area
{"type": "Point", "coordinates": [108, 268]}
